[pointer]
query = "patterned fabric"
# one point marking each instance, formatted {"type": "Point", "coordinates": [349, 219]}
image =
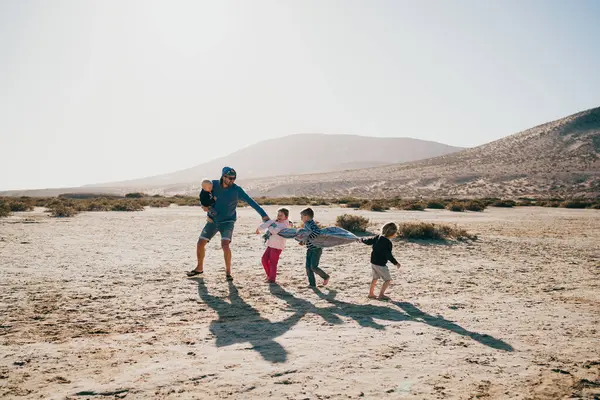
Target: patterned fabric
{"type": "Point", "coordinates": [313, 231]}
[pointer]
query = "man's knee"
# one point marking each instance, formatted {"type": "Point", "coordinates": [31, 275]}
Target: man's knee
{"type": "Point", "coordinates": [225, 245]}
{"type": "Point", "coordinates": [202, 243]}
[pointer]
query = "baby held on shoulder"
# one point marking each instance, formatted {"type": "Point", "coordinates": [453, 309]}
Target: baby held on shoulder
{"type": "Point", "coordinates": [207, 199]}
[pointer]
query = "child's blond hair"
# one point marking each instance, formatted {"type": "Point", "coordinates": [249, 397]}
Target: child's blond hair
{"type": "Point", "coordinates": [207, 181]}
{"type": "Point", "coordinates": [389, 229]}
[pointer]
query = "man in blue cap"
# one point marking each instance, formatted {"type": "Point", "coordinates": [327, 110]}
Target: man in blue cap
{"type": "Point", "coordinates": [227, 194]}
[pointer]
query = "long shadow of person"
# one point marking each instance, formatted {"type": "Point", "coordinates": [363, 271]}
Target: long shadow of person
{"type": "Point", "coordinates": [304, 306]}
{"type": "Point", "coordinates": [364, 315]}
{"type": "Point", "coordinates": [239, 322]}
{"type": "Point", "coordinates": [440, 322]}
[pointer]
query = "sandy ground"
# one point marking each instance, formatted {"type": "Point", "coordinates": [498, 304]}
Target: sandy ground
{"type": "Point", "coordinates": [98, 305]}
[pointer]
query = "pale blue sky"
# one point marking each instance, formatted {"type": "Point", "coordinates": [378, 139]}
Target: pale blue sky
{"type": "Point", "coordinates": [95, 91]}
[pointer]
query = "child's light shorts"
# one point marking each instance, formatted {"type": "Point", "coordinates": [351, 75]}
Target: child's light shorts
{"type": "Point", "coordinates": [380, 272]}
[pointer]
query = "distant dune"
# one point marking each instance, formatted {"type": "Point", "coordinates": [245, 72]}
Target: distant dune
{"type": "Point", "coordinates": [290, 155]}
{"type": "Point", "coordinates": [559, 158]}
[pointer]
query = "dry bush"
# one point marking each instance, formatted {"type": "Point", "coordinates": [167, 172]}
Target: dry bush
{"type": "Point", "coordinates": [525, 203]}
{"type": "Point", "coordinates": [455, 206]}
{"type": "Point", "coordinates": [156, 203]}
{"type": "Point", "coordinates": [436, 204]}
{"type": "Point", "coordinates": [575, 203]}
{"type": "Point", "coordinates": [474, 205]}
{"type": "Point", "coordinates": [346, 200]}
{"type": "Point", "coordinates": [413, 206]}
{"type": "Point", "coordinates": [355, 204]}
{"type": "Point", "coordinates": [374, 206]}
{"type": "Point", "coordinates": [319, 202]}
{"type": "Point", "coordinates": [430, 231]}
{"type": "Point", "coordinates": [549, 203]}
{"type": "Point", "coordinates": [292, 201]}
{"type": "Point", "coordinates": [504, 203]}
{"type": "Point", "coordinates": [20, 205]}
{"type": "Point", "coordinates": [96, 205]}
{"type": "Point", "coordinates": [136, 195]}
{"type": "Point", "coordinates": [352, 223]}
{"type": "Point", "coordinates": [4, 208]}
{"type": "Point", "coordinates": [62, 210]}
{"type": "Point", "coordinates": [127, 205]}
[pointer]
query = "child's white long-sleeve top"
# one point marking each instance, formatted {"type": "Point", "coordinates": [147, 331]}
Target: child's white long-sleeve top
{"type": "Point", "coordinates": [275, 241]}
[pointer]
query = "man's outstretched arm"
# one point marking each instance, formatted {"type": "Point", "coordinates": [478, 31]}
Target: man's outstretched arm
{"type": "Point", "coordinates": [244, 196]}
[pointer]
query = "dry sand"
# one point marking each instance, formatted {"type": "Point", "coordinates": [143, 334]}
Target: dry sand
{"type": "Point", "coordinates": [99, 305]}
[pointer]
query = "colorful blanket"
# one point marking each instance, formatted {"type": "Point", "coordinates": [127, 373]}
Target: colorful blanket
{"type": "Point", "coordinates": [329, 237]}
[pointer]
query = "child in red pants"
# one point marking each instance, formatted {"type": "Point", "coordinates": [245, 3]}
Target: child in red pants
{"type": "Point", "coordinates": [275, 243]}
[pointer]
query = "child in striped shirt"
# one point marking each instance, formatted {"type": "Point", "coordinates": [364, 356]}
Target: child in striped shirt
{"type": "Point", "coordinates": [313, 253]}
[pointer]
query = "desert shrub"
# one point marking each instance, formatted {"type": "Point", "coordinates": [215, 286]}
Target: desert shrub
{"type": "Point", "coordinates": [413, 206]}
{"type": "Point", "coordinates": [127, 205]}
{"type": "Point", "coordinates": [474, 205]}
{"type": "Point", "coordinates": [135, 195]}
{"type": "Point", "coordinates": [374, 206]}
{"type": "Point", "coordinates": [352, 223]}
{"type": "Point", "coordinates": [504, 203]}
{"type": "Point", "coordinates": [20, 205]}
{"type": "Point", "coordinates": [42, 201]}
{"type": "Point", "coordinates": [97, 205]}
{"type": "Point", "coordinates": [575, 204]}
{"type": "Point", "coordinates": [4, 209]}
{"type": "Point", "coordinates": [355, 204]}
{"type": "Point", "coordinates": [157, 195]}
{"type": "Point", "coordinates": [488, 201]}
{"type": "Point", "coordinates": [550, 203]}
{"type": "Point", "coordinates": [347, 200]}
{"type": "Point", "coordinates": [156, 203]}
{"type": "Point", "coordinates": [188, 200]}
{"type": "Point", "coordinates": [87, 196]}
{"type": "Point", "coordinates": [319, 202]}
{"type": "Point", "coordinates": [430, 231]}
{"type": "Point", "coordinates": [595, 206]}
{"type": "Point", "coordinates": [436, 204]}
{"type": "Point", "coordinates": [525, 203]}
{"type": "Point", "coordinates": [62, 210]}
{"type": "Point", "coordinates": [455, 206]}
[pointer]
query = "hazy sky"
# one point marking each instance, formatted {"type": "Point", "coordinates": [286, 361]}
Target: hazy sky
{"type": "Point", "coordinates": [95, 91]}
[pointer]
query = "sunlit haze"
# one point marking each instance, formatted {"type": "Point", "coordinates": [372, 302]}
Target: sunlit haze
{"type": "Point", "coordinates": [98, 91]}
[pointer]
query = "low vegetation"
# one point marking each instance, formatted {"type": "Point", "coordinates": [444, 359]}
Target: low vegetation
{"type": "Point", "coordinates": [62, 210]}
{"type": "Point", "coordinates": [455, 206]}
{"type": "Point", "coordinates": [4, 209]}
{"type": "Point", "coordinates": [431, 231]}
{"type": "Point", "coordinates": [137, 201]}
{"type": "Point", "coordinates": [352, 223]}
{"type": "Point", "coordinates": [504, 203]}
{"type": "Point", "coordinates": [379, 206]}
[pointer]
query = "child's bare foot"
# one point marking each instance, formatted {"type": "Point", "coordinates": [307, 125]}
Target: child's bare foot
{"type": "Point", "coordinates": [383, 297]}
{"type": "Point", "coordinates": [325, 282]}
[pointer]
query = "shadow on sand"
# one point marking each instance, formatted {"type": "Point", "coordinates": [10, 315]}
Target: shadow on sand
{"type": "Point", "coordinates": [239, 322]}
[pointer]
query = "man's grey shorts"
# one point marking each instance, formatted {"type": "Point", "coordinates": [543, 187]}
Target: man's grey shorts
{"type": "Point", "coordinates": [211, 228]}
{"type": "Point", "coordinates": [380, 272]}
